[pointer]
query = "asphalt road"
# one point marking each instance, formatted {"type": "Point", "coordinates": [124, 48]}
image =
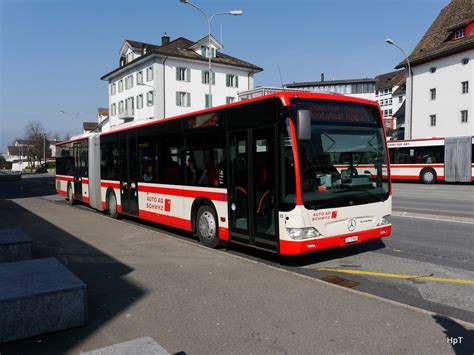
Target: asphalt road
{"type": "Point", "coordinates": [432, 238]}
{"type": "Point", "coordinates": [442, 199]}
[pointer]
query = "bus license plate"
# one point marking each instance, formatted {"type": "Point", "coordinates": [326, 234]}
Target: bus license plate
{"type": "Point", "coordinates": [351, 239]}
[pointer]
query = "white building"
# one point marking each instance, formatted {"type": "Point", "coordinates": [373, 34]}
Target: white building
{"type": "Point", "coordinates": [361, 88]}
{"type": "Point", "coordinates": [443, 76]}
{"type": "Point", "coordinates": [262, 91]}
{"type": "Point", "coordinates": [385, 88]}
{"type": "Point", "coordinates": [162, 81]}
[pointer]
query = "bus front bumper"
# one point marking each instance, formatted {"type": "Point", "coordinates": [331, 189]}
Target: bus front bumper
{"type": "Point", "coordinates": [288, 247]}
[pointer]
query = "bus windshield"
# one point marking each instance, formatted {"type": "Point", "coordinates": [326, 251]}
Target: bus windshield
{"type": "Point", "coordinates": [345, 162]}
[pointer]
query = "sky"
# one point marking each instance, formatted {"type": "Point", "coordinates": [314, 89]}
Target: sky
{"type": "Point", "coordinates": [53, 52]}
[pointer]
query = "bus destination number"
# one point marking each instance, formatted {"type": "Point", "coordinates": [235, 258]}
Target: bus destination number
{"type": "Point", "coordinates": [158, 203]}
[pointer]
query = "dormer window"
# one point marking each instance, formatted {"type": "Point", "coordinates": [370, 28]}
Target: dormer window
{"type": "Point", "coordinates": [459, 34]}
{"type": "Point", "coordinates": [129, 57]}
{"type": "Point", "coordinates": [205, 52]}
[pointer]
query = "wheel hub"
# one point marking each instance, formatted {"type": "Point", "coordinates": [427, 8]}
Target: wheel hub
{"type": "Point", "coordinates": [207, 225]}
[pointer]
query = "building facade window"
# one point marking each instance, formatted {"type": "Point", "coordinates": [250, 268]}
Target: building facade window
{"type": "Point", "coordinates": [140, 101]}
{"type": "Point", "coordinates": [459, 34]}
{"type": "Point", "coordinates": [183, 74]}
{"type": "Point", "coordinates": [205, 77]}
{"type": "Point", "coordinates": [183, 99]}
{"type": "Point", "coordinates": [120, 107]}
{"type": "Point", "coordinates": [205, 52]}
{"type": "Point", "coordinates": [113, 109]}
{"type": "Point", "coordinates": [232, 81]}
{"type": "Point", "coordinates": [432, 94]}
{"type": "Point", "coordinates": [229, 99]}
{"type": "Point", "coordinates": [150, 96]}
{"type": "Point", "coordinates": [113, 89]}
{"type": "Point", "coordinates": [464, 116]}
{"type": "Point", "coordinates": [465, 87]}
{"type": "Point", "coordinates": [400, 99]}
{"type": "Point", "coordinates": [129, 82]}
{"type": "Point", "coordinates": [129, 105]}
{"type": "Point", "coordinates": [432, 120]}
{"type": "Point", "coordinates": [149, 74]}
{"type": "Point", "coordinates": [140, 77]}
{"type": "Point", "coordinates": [120, 85]}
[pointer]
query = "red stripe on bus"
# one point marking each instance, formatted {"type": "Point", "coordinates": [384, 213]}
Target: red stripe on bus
{"type": "Point", "coordinates": [62, 193]}
{"type": "Point", "coordinates": [164, 219]}
{"type": "Point", "coordinates": [114, 185]}
{"type": "Point", "coordinates": [85, 199]}
{"type": "Point", "coordinates": [224, 234]}
{"type": "Point", "coordinates": [413, 177]}
{"type": "Point", "coordinates": [215, 196]}
{"type": "Point", "coordinates": [294, 145]}
{"type": "Point", "coordinates": [85, 181]}
{"type": "Point", "coordinates": [64, 178]}
{"type": "Point", "coordinates": [399, 166]}
{"type": "Point", "coordinates": [288, 247]}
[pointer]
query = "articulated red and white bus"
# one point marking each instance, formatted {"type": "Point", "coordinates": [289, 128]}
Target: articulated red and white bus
{"type": "Point", "coordinates": [433, 159]}
{"type": "Point", "coordinates": [259, 172]}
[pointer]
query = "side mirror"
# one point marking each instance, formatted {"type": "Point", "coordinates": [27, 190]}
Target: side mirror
{"type": "Point", "coordinates": [303, 125]}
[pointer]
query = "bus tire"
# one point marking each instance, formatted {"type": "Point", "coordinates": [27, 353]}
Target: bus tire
{"type": "Point", "coordinates": [70, 195]}
{"type": "Point", "coordinates": [428, 176]}
{"type": "Point", "coordinates": [207, 227]}
{"type": "Point", "coordinates": [112, 205]}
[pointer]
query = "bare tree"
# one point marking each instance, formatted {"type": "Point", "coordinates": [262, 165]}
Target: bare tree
{"type": "Point", "coordinates": [37, 143]}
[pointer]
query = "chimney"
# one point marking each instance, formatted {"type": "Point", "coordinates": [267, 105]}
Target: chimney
{"type": "Point", "coordinates": [322, 77]}
{"type": "Point", "coordinates": [165, 39]}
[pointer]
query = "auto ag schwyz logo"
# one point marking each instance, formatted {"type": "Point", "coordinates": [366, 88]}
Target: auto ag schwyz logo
{"type": "Point", "coordinates": [351, 225]}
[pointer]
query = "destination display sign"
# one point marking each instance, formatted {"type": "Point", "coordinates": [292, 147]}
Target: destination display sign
{"type": "Point", "coordinates": [347, 112]}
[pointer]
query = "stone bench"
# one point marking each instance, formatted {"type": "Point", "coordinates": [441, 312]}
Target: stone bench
{"type": "Point", "coordinates": [39, 296]}
{"type": "Point", "coordinates": [15, 245]}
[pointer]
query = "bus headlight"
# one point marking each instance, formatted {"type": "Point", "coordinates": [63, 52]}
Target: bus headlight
{"type": "Point", "coordinates": [385, 220]}
{"type": "Point", "coordinates": [302, 233]}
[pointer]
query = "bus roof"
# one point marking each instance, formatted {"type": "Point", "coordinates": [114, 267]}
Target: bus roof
{"type": "Point", "coordinates": [284, 96]}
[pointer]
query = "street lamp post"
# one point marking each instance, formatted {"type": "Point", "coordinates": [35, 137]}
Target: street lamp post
{"type": "Point", "coordinates": [209, 22]}
{"type": "Point", "coordinates": [410, 75]}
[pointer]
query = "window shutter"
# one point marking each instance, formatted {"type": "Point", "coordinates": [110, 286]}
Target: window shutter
{"type": "Point", "coordinates": [177, 73]}
{"type": "Point", "coordinates": [188, 97]}
{"type": "Point", "coordinates": [236, 81]}
{"type": "Point", "coordinates": [188, 74]}
{"type": "Point", "coordinates": [203, 76]}
{"type": "Point", "coordinates": [203, 51]}
{"type": "Point", "coordinates": [177, 98]}
{"type": "Point", "coordinates": [213, 78]}
{"type": "Point", "coordinates": [227, 80]}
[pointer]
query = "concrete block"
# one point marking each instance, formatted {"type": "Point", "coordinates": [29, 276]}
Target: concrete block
{"type": "Point", "coordinates": [15, 245]}
{"type": "Point", "coordinates": [141, 346]}
{"type": "Point", "coordinates": [39, 296]}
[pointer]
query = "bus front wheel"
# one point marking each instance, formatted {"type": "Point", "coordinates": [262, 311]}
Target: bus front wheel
{"type": "Point", "coordinates": [428, 176]}
{"type": "Point", "coordinates": [112, 205]}
{"type": "Point", "coordinates": [207, 229]}
{"type": "Point", "coordinates": [70, 195]}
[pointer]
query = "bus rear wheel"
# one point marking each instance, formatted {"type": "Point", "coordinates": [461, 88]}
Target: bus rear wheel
{"type": "Point", "coordinates": [70, 196]}
{"type": "Point", "coordinates": [428, 176]}
{"type": "Point", "coordinates": [112, 205]}
{"type": "Point", "coordinates": [206, 226]}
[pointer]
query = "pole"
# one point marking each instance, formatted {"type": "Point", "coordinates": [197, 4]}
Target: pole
{"type": "Point", "coordinates": [410, 76]}
{"type": "Point", "coordinates": [44, 149]}
{"type": "Point", "coordinates": [209, 55]}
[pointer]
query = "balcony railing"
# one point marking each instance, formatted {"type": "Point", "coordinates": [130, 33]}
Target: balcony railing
{"type": "Point", "coordinates": [127, 114]}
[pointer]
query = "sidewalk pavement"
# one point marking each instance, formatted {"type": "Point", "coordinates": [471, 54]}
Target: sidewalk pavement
{"type": "Point", "coordinates": [200, 301]}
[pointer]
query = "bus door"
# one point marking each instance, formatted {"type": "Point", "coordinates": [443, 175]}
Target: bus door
{"type": "Point", "coordinates": [252, 174]}
{"type": "Point", "coordinates": [129, 177]}
{"type": "Point", "coordinates": [76, 149]}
